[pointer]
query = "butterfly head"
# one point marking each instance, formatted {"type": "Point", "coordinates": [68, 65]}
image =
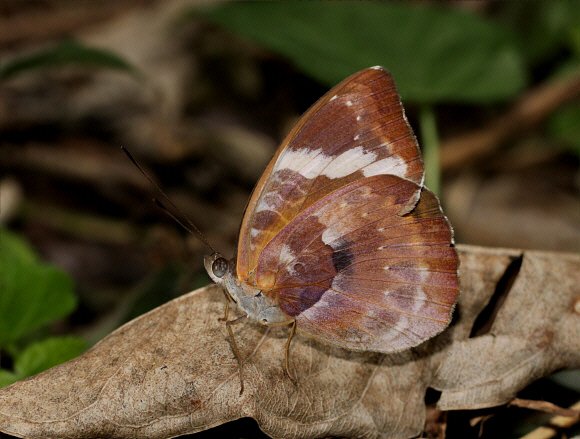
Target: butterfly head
{"type": "Point", "coordinates": [250, 299]}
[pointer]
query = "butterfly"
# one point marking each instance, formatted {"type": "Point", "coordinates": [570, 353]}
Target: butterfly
{"type": "Point", "coordinates": [340, 239]}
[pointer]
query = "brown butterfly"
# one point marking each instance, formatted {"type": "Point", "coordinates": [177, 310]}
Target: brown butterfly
{"type": "Point", "coordinates": [340, 239]}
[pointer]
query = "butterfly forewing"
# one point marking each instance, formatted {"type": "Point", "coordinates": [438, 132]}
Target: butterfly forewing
{"type": "Point", "coordinates": [354, 272]}
{"type": "Point", "coordinates": [357, 130]}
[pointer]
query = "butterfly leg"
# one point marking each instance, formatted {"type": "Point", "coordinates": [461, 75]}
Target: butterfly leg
{"type": "Point", "coordinates": [233, 343]}
{"type": "Point", "coordinates": [229, 324]}
{"type": "Point", "coordinates": [287, 350]}
{"type": "Point", "coordinates": [226, 309]}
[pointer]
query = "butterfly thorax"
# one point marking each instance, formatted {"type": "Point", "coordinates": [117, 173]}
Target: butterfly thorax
{"type": "Point", "coordinates": [250, 299]}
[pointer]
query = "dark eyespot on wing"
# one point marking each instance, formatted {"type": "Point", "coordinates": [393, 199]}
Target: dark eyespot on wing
{"type": "Point", "coordinates": [342, 256]}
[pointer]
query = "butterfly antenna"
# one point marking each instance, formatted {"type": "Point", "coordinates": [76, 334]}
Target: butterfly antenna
{"type": "Point", "coordinates": [188, 225]}
{"type": "Point", "coordinates": [165, 209]}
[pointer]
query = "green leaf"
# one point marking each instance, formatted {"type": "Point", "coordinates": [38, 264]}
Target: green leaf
{"type": "Point", "coordinates": [435, 54]}
{"type": "Point", "coordinates": [575, 40]}
{"type": "Point", "coordinates": [46, 354]}
{"type": "Point", "coordinates": [430, 148]}
{"type": "Point", "coordinates": [20, 251]}
{"type": "Point", "coordinates": [564, 127]}
{"type": "Point", "coordinates": [33, 294]}
{"type": "Point", "coordinates": [7, 377]}
{"type": "Point", "coordinates": [542, 28]}
{"type": "Point", "coordinates": [65, 53]}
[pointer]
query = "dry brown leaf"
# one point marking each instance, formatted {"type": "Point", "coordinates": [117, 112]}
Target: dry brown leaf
{"type": "Point", "coordinates": [172, 371]}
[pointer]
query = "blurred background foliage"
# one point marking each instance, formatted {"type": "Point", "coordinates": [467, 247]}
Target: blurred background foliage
{"type": "Point", "coordinates": [202, 93]}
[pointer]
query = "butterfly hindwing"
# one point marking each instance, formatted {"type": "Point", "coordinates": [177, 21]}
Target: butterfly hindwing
{"type": "Point", "coordinates": [357, 130]}
{"type": "Point", "coordinates": [354, 272]}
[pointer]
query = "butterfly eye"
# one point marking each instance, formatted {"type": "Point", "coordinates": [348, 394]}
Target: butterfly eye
{"type": "Point", "coordinates": [219, 267]}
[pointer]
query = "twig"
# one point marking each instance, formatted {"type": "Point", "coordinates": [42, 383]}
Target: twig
{"type": "Point", "coordinates": [555, 423]}
{"type": "Point", "coordinates": [546, 407]}
{"type": "Point", "coordinates": [79, 158]}
{"type": "Point", "coordinates": [38, 24]}
{"type": "Point", "coordinates": [534, 107]}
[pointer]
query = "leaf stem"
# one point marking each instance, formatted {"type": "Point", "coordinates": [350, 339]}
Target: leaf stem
{"type": "Point", "coordinates": [430, 146]}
